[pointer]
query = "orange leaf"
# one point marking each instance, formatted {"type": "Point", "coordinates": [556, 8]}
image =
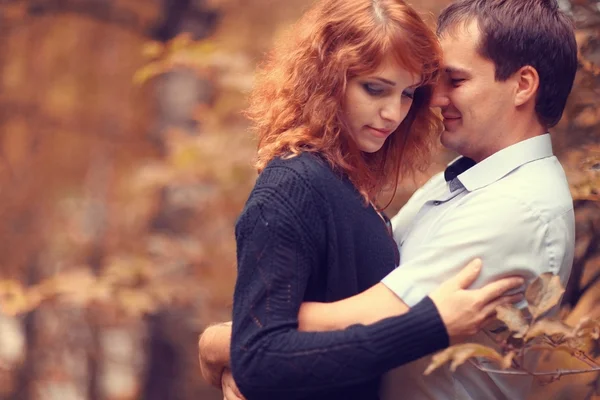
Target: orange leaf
{"type": "Point", "coordinates": [136, 303]}
{"type": "Point", "coordinates": [149, 71]}
{"type": "Point", "coordinates": [588, 327]}
{"type": "Point", "coordinates": [13, 298]}
{"type": "Point", "coordinates": [543, 294]}
{"type": "Point", "coordinates": [578, 345]}
{"type": "Point", "coordinates": [460, 353]}
{"type": "Point", "coordinates": [153, 50]}
{"type": "Point", "coordinates": [513, 318]}
{"type": "Point", "coordinates": [549, 328]}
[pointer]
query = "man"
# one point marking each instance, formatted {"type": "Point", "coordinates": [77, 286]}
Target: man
{"type": "Point", "coordinates": [509, 67]}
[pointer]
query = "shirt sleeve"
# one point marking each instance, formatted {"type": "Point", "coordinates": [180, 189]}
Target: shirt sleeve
{"type": "Point", "coordinates": [277, 246]}
{"type": "Point", "coordinates": [509, 237]}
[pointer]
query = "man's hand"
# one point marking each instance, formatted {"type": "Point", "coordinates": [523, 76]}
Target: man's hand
{"type": "Point", "coordinates": [230, 389]}
{"type": "Point", "coordinates": [213, 354]}
{"type": "Point", "coordinates": [464, 311]}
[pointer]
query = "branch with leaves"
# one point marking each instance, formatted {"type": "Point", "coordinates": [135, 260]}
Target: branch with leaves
{"type": "Point", "coordinates": [529, 331]}
{"type": "Point", "coordinates": [132, 287]}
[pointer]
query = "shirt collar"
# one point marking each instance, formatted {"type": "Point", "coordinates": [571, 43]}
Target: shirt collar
{"type": "Point", "coordinates": [501, 163]}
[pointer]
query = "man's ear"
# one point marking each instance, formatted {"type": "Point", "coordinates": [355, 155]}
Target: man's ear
{"type": "Point", "coordinates": [528, 82]}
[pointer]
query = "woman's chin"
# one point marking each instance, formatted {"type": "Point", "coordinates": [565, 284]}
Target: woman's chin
{"type": "Point", "coordinates": [371, 148]}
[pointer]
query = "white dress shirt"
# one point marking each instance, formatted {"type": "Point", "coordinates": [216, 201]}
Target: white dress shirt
{"type": "Point", "coordinates": [513, 210]}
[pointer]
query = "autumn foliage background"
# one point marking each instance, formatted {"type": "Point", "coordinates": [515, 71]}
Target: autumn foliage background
{"type": "Point", "coordinates": [124, 162]}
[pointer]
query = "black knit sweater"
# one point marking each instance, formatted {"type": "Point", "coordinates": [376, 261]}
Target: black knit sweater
{"type": "Point", "coordinates": [306, 234]}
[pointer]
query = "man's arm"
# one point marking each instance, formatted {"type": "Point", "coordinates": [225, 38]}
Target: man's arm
{"type": "Point", "coordinates": [500, 230]}
{"type": "Point", "coordinates": [214, 352]}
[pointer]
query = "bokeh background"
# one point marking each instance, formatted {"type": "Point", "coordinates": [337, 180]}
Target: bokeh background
{"type": "Point", "coordinates": [124, 162]}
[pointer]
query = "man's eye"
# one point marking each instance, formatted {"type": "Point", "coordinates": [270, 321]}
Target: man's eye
{"type": "Point", "coordinates": [456, 81]}
{"type": "Point", "coordinates": [373, 90]}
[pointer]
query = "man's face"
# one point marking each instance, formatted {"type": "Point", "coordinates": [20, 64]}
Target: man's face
{"type": "Point", "coordinates": [474, 105]}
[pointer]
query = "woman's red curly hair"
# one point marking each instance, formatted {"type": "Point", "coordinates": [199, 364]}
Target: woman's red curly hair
{"type": "Point", "coordinates": [297, 102]}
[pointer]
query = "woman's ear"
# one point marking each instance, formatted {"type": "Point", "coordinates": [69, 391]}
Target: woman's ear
{"type": "Point", "coordinates": [528, 82]}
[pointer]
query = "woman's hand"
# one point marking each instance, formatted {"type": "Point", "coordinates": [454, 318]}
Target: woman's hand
{"type": "Point", "coordinates": [230, 389]}
{"type": "Point", "coordinates": [464, 311]}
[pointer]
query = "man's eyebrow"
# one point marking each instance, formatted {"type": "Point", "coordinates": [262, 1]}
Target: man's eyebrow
{"type": "Point", "coordinates": [451, 70]}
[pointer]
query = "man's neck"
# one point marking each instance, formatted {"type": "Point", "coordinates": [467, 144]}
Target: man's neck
{"type": "Point", "coordinates": [515, 134]}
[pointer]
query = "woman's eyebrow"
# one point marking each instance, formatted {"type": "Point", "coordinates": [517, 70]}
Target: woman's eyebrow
{"type": "Point", "coordinates": [386, 81]}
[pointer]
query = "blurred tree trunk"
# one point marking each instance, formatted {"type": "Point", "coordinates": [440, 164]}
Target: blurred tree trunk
{"type": "Point", "coordinates": [179, 92]}
{"type": "Point", "coordinates": [173, 372]}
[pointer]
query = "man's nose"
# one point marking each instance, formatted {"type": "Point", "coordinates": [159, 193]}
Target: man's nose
{"type": "Point", "coordinates": [440, 97]}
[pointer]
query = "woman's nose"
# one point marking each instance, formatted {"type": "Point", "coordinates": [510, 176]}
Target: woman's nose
{"type": "Point", "coordinates": [395, 111]}
{"type": "Point", "coordinates": [440, 97]}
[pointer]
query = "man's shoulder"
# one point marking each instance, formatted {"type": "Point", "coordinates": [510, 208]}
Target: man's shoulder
{"type": "Point", "coordinates": [539, 186]}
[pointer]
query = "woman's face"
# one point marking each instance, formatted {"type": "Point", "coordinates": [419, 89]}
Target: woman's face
{"type": "Point", "coordinates": [375, 104]}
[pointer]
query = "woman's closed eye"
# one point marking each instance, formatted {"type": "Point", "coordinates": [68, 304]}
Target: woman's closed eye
{"type": "Point", "coordinates": [410, 93]}
{"type": "Point", "coordinates": [373, 89]}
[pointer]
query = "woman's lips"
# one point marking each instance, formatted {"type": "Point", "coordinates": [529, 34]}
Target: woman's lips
{"type": "Point", "coordinates": [380, 132]}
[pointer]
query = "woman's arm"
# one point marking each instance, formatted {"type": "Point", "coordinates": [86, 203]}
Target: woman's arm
{"type": "Point", "coordinates": [461, 310]}
{"type": "Point", "coordinates": [368, 307]}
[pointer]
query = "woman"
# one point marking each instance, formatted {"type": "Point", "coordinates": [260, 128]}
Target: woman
{"type": "Point", "coordinates": [341, 109]}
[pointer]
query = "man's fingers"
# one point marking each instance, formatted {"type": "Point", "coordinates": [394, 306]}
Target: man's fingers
{"type": "Point", "coordinates": [468, 274]}
{"type": "Point", "coordinates": [498, 288]}
{"type": "Point", "coordinates": [489, 311]}
{"type": "Point", "coordinates": [514, 298]}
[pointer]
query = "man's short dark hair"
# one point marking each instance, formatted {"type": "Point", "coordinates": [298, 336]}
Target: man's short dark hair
{"type": "Point", "coordinates": [516, 33]}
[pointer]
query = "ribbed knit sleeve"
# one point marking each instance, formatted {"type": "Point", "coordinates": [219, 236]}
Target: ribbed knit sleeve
{"type": "Point", "coordinates": [278, 248]}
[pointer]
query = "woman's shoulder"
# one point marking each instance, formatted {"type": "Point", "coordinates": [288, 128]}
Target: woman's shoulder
{"type": "Point", "coordinates": [306, 167]}
{"type": "Point", "coordinates": [291, 189]}
{"type": "Point", "coordinates": [306, 163]}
